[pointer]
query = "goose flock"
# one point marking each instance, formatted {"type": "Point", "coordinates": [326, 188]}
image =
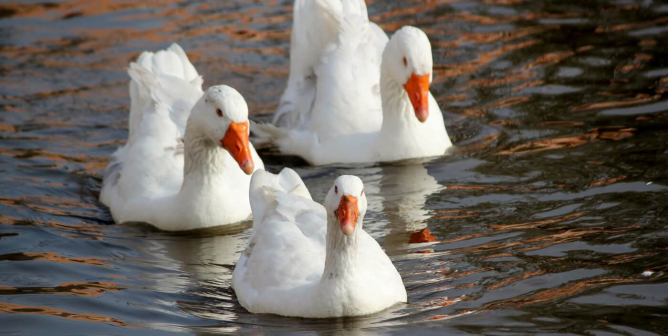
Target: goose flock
{"type": "Point", "coordinates": [353, 95]}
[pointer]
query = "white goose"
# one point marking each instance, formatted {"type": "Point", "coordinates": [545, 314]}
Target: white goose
{"type": "Point", "coordinates": [307, 260]}
{"type": "Point", "coordinates": [340, 124]}
{"type": "Point", "coordinates": [187, 161]}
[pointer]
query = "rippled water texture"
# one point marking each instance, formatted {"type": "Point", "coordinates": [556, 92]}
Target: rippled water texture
{"type": "Point", "coordinates": [549, 217]}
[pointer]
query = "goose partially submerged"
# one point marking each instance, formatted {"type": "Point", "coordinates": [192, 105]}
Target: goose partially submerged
{"type": "Point", "coordinates": [187, 162]}
{"type": "Point", "coordinates": [364, 101]}
{"type": "Point", "coordinates": [307, 260]}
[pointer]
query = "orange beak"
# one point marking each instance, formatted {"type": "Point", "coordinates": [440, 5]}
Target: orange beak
{"type": "Point", "coordinates": [417, 88]}
{"type": "Point", "coordinates": [347, 214]}
{"type": "Point", "coordinates": [236, 142]}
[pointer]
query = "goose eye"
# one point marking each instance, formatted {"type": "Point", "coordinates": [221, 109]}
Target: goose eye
{"type": "Point", "coordinates": [405, 62]}
{"type": "Point", "coordinates": [336, 190]}
{"type": "Point", "coordinates": [362, 193]}
{"type": "Point", "coordinates": [219, 113]}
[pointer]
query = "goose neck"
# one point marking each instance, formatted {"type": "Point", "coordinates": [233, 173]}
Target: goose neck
{"type": "Point", "coordinates": [202, 156]}
{"type": "Point", "coordinates": [394, 98]}
{"type": "Point", "coordinates": [341, 250]}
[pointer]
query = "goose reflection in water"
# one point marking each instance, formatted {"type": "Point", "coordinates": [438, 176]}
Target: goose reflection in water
{"type": "Point", "coordinates": [200, 264]}
{"type": "Point", "coordinates": [405, 188]}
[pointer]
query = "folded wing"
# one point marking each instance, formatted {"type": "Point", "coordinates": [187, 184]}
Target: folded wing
{"type": "Point", "coordinates": [287, 247]}
{"type": "Point", "coordinates": [164, 87]}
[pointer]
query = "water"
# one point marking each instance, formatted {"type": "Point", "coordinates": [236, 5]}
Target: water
{"type": "Point", "coordinates": [549, 218]}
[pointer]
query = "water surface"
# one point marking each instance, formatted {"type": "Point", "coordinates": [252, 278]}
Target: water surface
{"type": "Point", "coordinates": [549, 218]}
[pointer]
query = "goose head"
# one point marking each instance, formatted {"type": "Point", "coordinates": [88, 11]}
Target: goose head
{"type": "Point", "coordinates": [222, 114]}
{"type": "Point", "coordinates": [347, 201]}
{"type": "Point", "coordinates": [407, 58]}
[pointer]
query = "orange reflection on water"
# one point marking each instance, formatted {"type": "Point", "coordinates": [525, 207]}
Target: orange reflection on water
{"type": "Point", "coordinates": [527, 84]}
{"type": "Point", "coordinates": [486, 82]}
{"type": "Point", "coordinates": [91, 164]}
{"type": "Point", "coordinates": [517, 278]}
{"type": "Point", "coordinates": [481, 144]}
{"type": "Point", "coordinates": [617, 134]}
{"type": "Point", "coordinates": [628, 26]}
{"type": "Point", "coordinates": [451, 214]}
{"type": "Point", "coordinates": [439, 302]}
{"type": "Point", "coordinates": [570, 235]}
{"type": "Point", "coordinates": [486, 187]}
{"type": "Point", "coordinates": [548, 144]}
{"type": "Point", "coordinates": [510, 101]}
{"type": "Point", "coordinates": [79, 230]}
{"type": "Point", "coordinates": [52, 257]}
{"type": "Point", "coordinates": [452, 98]}
{"type": "Point", "coordinates": [484, 247]}
{"type": "Point", "coordinates": [250, 70]}
{"type": "Point", "coordinates": [7, 128]}
{"type": "Point", "coordinates": [549, 58]}
{"type": "Point", "coordinates": [466, 237]}
{"type": "Point", "coordinates": [629, 257]}
{"type": "Point", "coordinates": [77, 8]}
{"type": "Point", "coordinates": [473, 18]}
{"type": "Point", "coordinates": [504, 36]}
{"type": "Point", "coordinates": [536, 224]}
{"type": "Point", "coordinates": [90, 289]}
{"type": "Point", "coordinates": [562, 123]}
{"type": "Point", "coordinates": [503, 2]}
{"type": "Point", "coordinates": [178, 22]}
{"type": "Point", "coordinates": [453, 274]}
{"type": "Point", "coordinates": [628, 67]}
{"type": "Point", "coordinates": [584, 48]}
{"type": "Point", "coordinates": [647, 43]}
{"type": "Point", "coordinates": [10, 308]}
{"type": "Point", "coordinates": [419, 8]}
{"type": "Point", "coordinates": [422, 236]}
{"type": "Point", "coordinates": [444, 72]}
{"type": "Point", "coordinates": [552, 294]}
{"type": "Point", "coordinates": [638, 99]}
{"type": "Point", "coordinates": [607, 181]}
{"type": "Point", "coordinates": [51, 204]}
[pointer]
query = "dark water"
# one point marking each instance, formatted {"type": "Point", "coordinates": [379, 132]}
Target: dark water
{"type": "Point", "coordinates": [550, 218]}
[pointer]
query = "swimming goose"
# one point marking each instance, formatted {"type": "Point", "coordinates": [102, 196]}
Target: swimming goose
{"type": "Point", "coordinates": [187, 162]}
{"type": "Point", "coordinates": [307, 260]}
{"type": "Point", "coordinates": [412, 122]}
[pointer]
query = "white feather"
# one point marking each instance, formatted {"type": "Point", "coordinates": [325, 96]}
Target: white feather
{"type": "Point", "coordinates": [348, 103]}
{"type": "Point", "coordinates": [298, 263]}
{"type": "Point", "coordinates": [145, 179]}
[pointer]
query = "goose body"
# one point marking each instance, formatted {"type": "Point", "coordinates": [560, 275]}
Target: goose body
{"type": "Point", "coordinates": [187, 162]}
{"type": "Point", "coordinates": [334, 48]}
{"type": "Point", "coordinates": [309, 260]}
{"type": "Point", "coordinates": [365, 102]}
